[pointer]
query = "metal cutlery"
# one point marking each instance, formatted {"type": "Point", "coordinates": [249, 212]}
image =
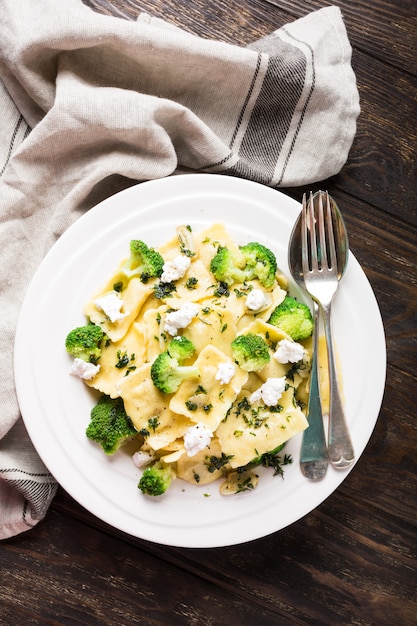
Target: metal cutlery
{"type": "Point", "coordinates": [314, 459]}
{"type": "Point", "coordinates": [324, 250]}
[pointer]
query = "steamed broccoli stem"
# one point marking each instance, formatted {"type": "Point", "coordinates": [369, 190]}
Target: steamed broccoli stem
{"type": "Point", "coordinates": [256, 261]}
{"type": "Point", "coordinates": [250, 352]}
{"type": "Point", "coordinates": [167, 374]}
{"type": "Point", "coordinates": [143, 262]}
{"type": "Point", "coordinates": [110, 426]}
{"type": "Point", "coordinates": [156, 479]}
{"type": "Point", "coordinates": [86, 342]}
{"type": "Point", "coordinates": [294, 318]}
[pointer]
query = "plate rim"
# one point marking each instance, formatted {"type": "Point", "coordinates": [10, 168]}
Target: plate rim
{"type": "Point", "coordinates": [209, 182]}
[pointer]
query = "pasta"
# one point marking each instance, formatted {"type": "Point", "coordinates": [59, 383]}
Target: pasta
{"type": "Point", "coordinates": [224, 399]}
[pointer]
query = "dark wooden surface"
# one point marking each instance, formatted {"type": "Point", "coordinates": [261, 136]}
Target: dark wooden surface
{"type": "Point", "coordinates": [353, 560]}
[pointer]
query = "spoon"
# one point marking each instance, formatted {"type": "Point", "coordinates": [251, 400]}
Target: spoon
{"type": "Point", "coordinates": [313, 454]}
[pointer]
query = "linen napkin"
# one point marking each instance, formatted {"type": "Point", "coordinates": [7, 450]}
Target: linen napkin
{"type": "Point", "coordinates": [91, 104]}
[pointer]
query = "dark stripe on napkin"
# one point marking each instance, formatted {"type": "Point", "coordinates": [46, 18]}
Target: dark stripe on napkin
{"type": "Point", "coordinates": [271, 117]}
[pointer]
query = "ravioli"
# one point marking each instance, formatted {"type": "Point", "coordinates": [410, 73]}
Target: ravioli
{"type": "Point", "coordinates": [240, 430]}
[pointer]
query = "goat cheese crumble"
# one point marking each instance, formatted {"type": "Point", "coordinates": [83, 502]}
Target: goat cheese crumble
{"type": "Point", "coordinates": [256, 299]}
{"type": "Point", "coordinates": [197, 438]}
{"type": "Point", "coordinates": [225, 372]}
{"type": "Point", "coordinates": [111, 305]}
{"type": "Point", "coordinates": [289, 352]}
{"type": "Point", "coordinates": [175, 269]}
{"type": "Point", "coordinates": [83, 369]}
{"type": "Point", "coordinates": [181, 318]}
{"type": "Point", "coordinates": [270, 392]}
{"type": "Point", "coordinates": [141, 458]}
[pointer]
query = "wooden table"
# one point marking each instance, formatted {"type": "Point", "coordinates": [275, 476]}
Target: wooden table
{"type": "Point", "coordinates": [352, 560]}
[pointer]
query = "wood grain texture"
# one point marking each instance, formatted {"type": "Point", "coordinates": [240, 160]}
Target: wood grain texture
{"type": "Point", "coordinates": [352, 561]}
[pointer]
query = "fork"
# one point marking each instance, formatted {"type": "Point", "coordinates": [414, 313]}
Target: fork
{"type": "Point", "coordinates": [321, 274]}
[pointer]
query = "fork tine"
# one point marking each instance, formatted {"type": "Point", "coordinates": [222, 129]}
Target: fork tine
{"type": "Point", "coordinates": [313, 239]}
{"type": "Point", "coordinates": [322, 234]}
{"type": "Point", "coordinates": [304, 238]}
{"type": "Point", "coordinates": [330, 234]}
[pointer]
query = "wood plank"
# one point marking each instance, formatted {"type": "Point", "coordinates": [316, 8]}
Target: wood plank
{"type": "Point", "coordinates": [67, 572]}
{"type": "Point", "coordinates": [384, 29]}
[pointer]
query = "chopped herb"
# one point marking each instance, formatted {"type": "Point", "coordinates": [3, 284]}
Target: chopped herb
{"type": "Point", "coordinates": [222, 289]}
{"type": "Point", "coordinates": [191, 282]}
{"type": "Point", "coordinates": [245, 485]}
{"type": "Point", "coordinates": [124, 360]}
{"type": "Point", "coordinates": [271, 459]}
{"type": "Point", "coordinates": [217, 462]}
{"type": "Point", "coordinates": [191, 406]}
{"type": "Point", "coordinates": [164, 290]}
{"type": "Point", "coordinates": [118, 287]}
{"type": "Point", "coordinates": [153, 423]}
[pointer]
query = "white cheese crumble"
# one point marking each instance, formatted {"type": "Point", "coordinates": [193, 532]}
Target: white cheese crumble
{"type": "Point", "coordinates": [270, 392]}
{"type": "Point", "coordinates": [111, 305]}
{"type": "Point", "coordinates": [142, 459]}
{"type": "Point", "coordinates": [83, 369]}
{"type": "Point", "coordinates": [289, 352]}
{"type": "Point", "coordinates": [225, 372]}
{"type": "Point", "coordinates": [181, 318]}
{"type": "Point", "coordinates": [197, 438]}
{"type": "Point", "coordinates": [175, 269]}
{"type": "Point", "coordinates": [256, 299]}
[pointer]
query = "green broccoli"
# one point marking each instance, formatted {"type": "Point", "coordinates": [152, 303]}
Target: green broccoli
{"type": "Point", "coordinates": [256, 261]}
{"type": "Point", "coordinates": [86, 342]}
{"type": "Point", "coordinates": [143, 262]}
{"type": "Point", "coordinates": [250, 352]}
{"type": "Point", "coordinates": [261, 263]}
{"type": "Point", "coordinates": [167, 373]}
{"type": "Point", "coordinates": [109, 425]}
{"type": "Point", "coordinates": [156, 479]}
{"type": "Point", "coordinates": [180, 348]}
{"type": "Point", "coordinates": [294, 318]}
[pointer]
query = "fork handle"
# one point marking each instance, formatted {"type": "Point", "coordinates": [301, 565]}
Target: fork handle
{"type": "Point", "coordinates": [313, 454]}
{"type": "Point", "coordinates": [340, 448]}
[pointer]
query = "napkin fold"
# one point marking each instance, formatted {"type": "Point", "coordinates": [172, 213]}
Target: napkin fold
{"type": "Point", "coordinates": [91, 104]}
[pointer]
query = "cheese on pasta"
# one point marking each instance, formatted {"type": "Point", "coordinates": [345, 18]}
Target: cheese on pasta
{"type": "Point", "coordinates": [241, 431]}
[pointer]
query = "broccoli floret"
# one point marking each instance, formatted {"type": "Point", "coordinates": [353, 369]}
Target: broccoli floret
{"type": "Point", "coordinates": [224, 267]}
{"type": "Point", "coordinates": [110, 426]}
{"type": "Point", "coordinates": [167, 374]}
{"type": "Point", "coordinates": [256, 261]}
{"type": "Point", "coordinates": [86, 342]}
{"type": "Point", "coordinates": [294, 318]}
{"type": "Point", "coordinates": [181, 348]}
{"type": "Point", "coordinates": [260, 263]}
{"type": "Point", "coordinates": [156, 479]}
{"type": "Point", "coordinates": [250, 352]}
{"type": "Point", "coordinates": [143, 262]}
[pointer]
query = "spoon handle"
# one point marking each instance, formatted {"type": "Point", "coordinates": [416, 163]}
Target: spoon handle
{"type": "Point", "coordinates": [313, 455]}
{"type": "Point", "coordinates": [340, 448]}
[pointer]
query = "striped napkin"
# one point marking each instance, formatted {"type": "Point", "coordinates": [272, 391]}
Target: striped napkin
{"type": "Point", "coordinates": [91, 104]}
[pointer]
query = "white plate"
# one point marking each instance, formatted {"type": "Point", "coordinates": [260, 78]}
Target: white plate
{"type": "Point", "coordinates": [56, 406]}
